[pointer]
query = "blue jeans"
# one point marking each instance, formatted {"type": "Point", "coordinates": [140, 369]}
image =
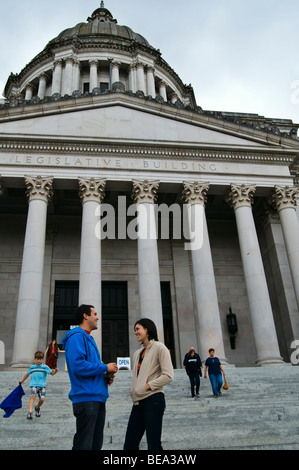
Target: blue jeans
{"type": "Point", "coordinates": [90, 420]}
{"type": "Point", "coordinates": [146, 417]}
{"type": "Point", "coordinates": [216, 382]}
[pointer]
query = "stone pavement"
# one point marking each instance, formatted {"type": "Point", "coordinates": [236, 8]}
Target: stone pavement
{"type": "Point", "coordinates": [260, 411]}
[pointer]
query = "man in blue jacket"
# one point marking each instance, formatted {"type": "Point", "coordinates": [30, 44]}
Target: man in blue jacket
{"type": "Point", "coordinates": [89, 379]}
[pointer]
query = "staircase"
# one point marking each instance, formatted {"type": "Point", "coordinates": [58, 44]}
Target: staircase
{"type": "Point", "coordinates": [260, 411]}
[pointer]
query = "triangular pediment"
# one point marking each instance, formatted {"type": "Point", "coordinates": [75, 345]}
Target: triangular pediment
{"type": "Point", "coordinates": [124, 122]}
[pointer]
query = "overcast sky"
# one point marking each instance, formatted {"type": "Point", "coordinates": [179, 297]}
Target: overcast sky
{"type": "Point", "coordinates": [238, 56]}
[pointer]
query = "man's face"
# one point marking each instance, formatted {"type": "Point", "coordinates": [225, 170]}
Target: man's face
{"type": "Point", "coordinates": [91, 320]}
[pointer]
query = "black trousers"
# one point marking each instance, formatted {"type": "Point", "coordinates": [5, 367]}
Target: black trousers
{"type": "Point", "coordinates": [146, 417]}
{"type": "Point", "coordinates": [90, 420]}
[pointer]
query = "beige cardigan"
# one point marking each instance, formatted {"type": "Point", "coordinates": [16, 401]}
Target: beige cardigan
{"type": "Point", "coordinates": [156, 370]}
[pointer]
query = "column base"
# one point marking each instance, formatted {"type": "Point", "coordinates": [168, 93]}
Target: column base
{"type": "Point", "coordinates": [270, 361]}
{"type": "Point", "coordinates": [20, 365]}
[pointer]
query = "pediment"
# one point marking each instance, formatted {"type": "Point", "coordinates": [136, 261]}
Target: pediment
{"type": "Point", "coordinates": [123, 123]}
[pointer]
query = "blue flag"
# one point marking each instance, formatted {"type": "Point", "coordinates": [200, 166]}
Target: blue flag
{"type": "Point", "coordinates": [13, 401]}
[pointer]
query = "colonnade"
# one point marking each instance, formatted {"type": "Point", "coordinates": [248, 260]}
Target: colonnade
{"type": "Point", "coordinates": [66, 77]}
{"type": "Point", "coordinates": [144, 193]}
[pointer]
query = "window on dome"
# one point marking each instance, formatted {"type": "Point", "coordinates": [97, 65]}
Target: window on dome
{"type": "Point", "coordinates": [86, 87]}
{"type": "Point", "coordinates": [104, 86]}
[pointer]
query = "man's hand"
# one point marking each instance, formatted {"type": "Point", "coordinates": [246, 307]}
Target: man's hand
{"type": "Point", "coordinates": [112, 367]}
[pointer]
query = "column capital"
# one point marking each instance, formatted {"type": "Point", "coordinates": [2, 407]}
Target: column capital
{"type": "Point", "coordinates": [195, 193]}
{"type": "Point", "coordinates": [145, 191]}
{"type": "Point", "coordinates": [39, 188]}
{"type": "Point", "coordinates": [240, 195]}
{"type": "Point", "coordinates": [284, 197]}
{"type": "Point", "coordinates": [91, 190]}
{"type": "Point", "coordinates": [69, 59]}
{"type": "Point", "coordinates": [57, 62]}
{"type": "Point", "coordinates": [93, 62]}
{"type": "Point", "coordinates": [43, 76]}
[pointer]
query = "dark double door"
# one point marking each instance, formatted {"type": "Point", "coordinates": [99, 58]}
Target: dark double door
{"type": "Point", "coordinates": [115, 340]}
{"type": "Point", "coordinates": [115, 332]}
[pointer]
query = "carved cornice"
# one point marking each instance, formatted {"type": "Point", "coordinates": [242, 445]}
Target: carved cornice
{"type": "Point", "coordinates": [146, 151]}
{"type": "Point", "coordinates": [195, 193]}
{"type": "Point", "coordinates": [285, 197]}
{"type": "Point", "coordinates": [240, 195]}
{"type": "Point", "coordinates": [39, 188]}
{"type": "Point", "coordinates": [144, 191]}
{"type": "Point", "coordinates": [91, 190]}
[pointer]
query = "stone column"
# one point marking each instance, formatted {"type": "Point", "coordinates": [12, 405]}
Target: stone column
{"type": "Point", "coordinates": [144, 195]}
{"type": "Point", "coordinates": [28, 91]}
{"type": "Point", "coordinates": [151, 89]}
{"type": "Point", "coordinates": [162, 90]}
{"type": "Point", "coordinates": [284, 200]}
{"type": "Point", "coordinates": [140, 77]}
{"type": "Point", "coordinates": [56, 79]}
{"type": "Point", "coordinates": [93, 80]}
{"type": "Point", "coordinates": [68, 76]}
{"type": "Point", "coordinates": [115, 72]}
{"type": "Point", "coordinates": [241, 198]}
{"type": "Point", "coordinates": [208, 316]}
{"type": "Point", "coordinates": [91, 193]}
{"type": "Point", "coordinates": [76, 75]}
{"type": "Point", "coordinates": [42, 86]}
{"type": "Point", "coordinates": [132, 77]}
{"type": "Point", "coordinates": [26, 342]}
{"type": "Point", "coordinates": [173, 97]}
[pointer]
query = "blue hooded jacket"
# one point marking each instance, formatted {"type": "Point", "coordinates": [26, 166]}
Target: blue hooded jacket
{"type": "Point", "coordinates": [85, 368]}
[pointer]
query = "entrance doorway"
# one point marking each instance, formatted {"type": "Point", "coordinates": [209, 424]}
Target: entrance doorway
{"type": "Point", "coordinates": [115, 340]}
{"type": "Point", "coordinates": [115, 334]}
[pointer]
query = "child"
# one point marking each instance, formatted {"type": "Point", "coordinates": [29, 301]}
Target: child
{"type": "Point", "coordinates": [38, 382]}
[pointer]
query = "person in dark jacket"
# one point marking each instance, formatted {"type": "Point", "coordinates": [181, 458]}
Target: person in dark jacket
{"type": "Point", "coordinates": [89, 379]}
{"type": "Point", "coordinates": [193, 364]}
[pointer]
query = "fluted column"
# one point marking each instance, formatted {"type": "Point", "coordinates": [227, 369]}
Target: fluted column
{"type": "Point", "coordinates": [57, 75]}
{"type": "Point", "coordinates": [144, 195]}
{"type": "Point", "coordinates": [241, 198]}
{"type": "Point", "coordinates": [173, 97]}
{"type": "Point", "coordinates": [28, 91]}
{"type": "Point", "coordinates": [140, 77]}
{"type": "Point", "coordinates": [209, 325]}
{"type": "Point", "coordinates": [93, 80]}
{"type": "Point", "coordinates": [115, 72]}
{"type": "Point", "coordinates": [151, 89]}
{"type": "Point", "coordinates": [76, 75]}
{"type": "Point", "coordinates": [26, 341]}
{"type": "Point", "coordinates": [132, 77]}
{"type": "Point", "coordinates": [42, 86]}
{"type": "Point", "coordinates": [91, 193]}
{"type": "Point", "coordinates": [68, 76]}
{"type": "Point", "coordinates": [284, 200]}
{"type": "Point", "coordinates": [162, 90]}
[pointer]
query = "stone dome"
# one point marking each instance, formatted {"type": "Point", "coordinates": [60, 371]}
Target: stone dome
{"type": "Point", "coordinates": [100, 24]}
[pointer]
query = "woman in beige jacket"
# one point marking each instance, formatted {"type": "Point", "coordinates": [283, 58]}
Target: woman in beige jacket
{"type": "Point", "coordinates": [152, 369]}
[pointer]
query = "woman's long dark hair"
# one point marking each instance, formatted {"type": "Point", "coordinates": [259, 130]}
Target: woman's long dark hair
{"type": "Point", "coordinates": [150, 326]}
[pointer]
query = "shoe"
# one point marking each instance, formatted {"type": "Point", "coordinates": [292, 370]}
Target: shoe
{"type": "Point", "coordinates": [220, 394]}
{"type": "Point", "coordinates": [215, 396]}
{"type": "Point", "coordinates": [37, 412]}
{"type": "Point", "coordinates": [197, 395]}
{"type": "Point", "coordinates": [29, 416]}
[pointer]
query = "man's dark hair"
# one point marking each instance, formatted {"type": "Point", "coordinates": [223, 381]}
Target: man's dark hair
{"type": "Point", "coordinates": [80, 311]}
{"type": "Point", "coordinates": [150, 326]}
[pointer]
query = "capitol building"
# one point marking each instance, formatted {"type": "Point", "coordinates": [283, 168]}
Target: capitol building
{"type": "Point", "coordinates": [118, 190]}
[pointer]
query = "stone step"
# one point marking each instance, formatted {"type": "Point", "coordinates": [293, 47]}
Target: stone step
{"type": "Point", "coordinates": [259, 411]}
